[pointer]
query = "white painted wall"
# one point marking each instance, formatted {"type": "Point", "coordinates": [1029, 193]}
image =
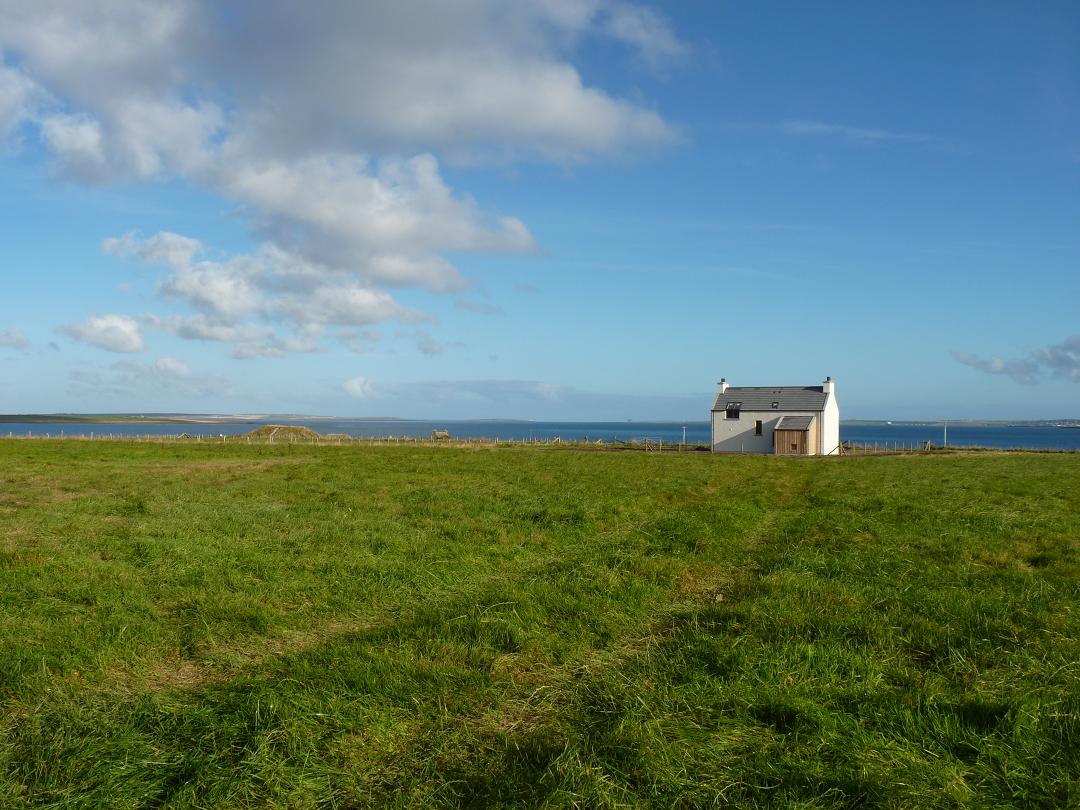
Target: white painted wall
{"type": "Point", "coordinates": [830, 421]}
{"type": "Point", "coordinates": [737, 435]}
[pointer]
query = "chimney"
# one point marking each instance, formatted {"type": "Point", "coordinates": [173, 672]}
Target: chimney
{"type": "Point", "coordinates": [722, 386]}
{"type": "Point", "coordinates": [829, 387]}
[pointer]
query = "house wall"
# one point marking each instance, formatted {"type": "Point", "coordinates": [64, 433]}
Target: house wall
{"type": "Point", "coordinates": [737, 435]}
{"type": "Point", "coordinates": [830, 426]}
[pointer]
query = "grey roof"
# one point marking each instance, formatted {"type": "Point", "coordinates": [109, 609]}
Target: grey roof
{"type": "Point", "coordinates": [788, 398]}
{"type": "Point", "coordinates": [795, 423]}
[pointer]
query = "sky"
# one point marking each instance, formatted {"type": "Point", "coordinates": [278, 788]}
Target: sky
{"type": "Point", "coordinates": [538, 209]}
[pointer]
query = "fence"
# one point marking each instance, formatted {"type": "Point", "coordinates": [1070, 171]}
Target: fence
{"type": "Point", "coordinates": [648, 444]}
{"type": "Point", "coordinates": [651, 444]}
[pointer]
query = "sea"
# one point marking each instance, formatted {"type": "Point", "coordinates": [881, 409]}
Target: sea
{"type": "Point", "coordinates": [880, 434]}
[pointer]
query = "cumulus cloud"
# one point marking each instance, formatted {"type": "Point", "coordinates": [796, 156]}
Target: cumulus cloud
{"type": "Point", "coordinates": [343, 305]}
{"type": "Point", "coordinates": [170, 249]}
{"type": "Point", "coordinates": [359, 387]}
{"type": "Point", "coordinates": [323, 128]}
{"type": "Point", "coordinates": [18, 99]}
{"type": "Point", "coordinates": [643, 28]}
{"type": "Point", "coordinates": [12, 338]}
{"type": "Point", "coordinates": [386, 221]}
{"type": "Point", "coordinates": [239, 299]}
{"type": "Point", "coordinates": [479, 76]}
{"type": "Point", "coordinates": [167, 81]}
{"type": "Point", "coordinates": [1061, 360]}
{"type": "Point", "coordinates": [1021, 371]}
{"type": "Point", "coordinates": [114, 333]}
{"type": "Point", "coordinates": [247, 340]}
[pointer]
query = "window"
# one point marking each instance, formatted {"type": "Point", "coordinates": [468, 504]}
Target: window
{"type": "Point", "coordinates": [733, 410]}
{"type": "Point", "coordinates": [757, 427]}
{"type": "Point", "coordinates": [775, 405]}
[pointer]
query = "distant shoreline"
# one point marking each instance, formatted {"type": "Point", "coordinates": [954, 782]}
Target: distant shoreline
{"type": "Point", "coordinates": [254, 419]}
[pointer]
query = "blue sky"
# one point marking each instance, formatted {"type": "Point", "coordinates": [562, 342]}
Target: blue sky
{"type": "Point", "coordinates": [560, 209]}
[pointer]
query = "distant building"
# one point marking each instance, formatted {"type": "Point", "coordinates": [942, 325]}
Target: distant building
{"type": "Point", "coordinates": [798, 421]}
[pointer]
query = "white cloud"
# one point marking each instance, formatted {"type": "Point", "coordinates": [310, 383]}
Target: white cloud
{"type": "Point", "coordinates": [167, 80]}
{"type": "Point", "coordinates": [359, 387]}
{"type": "Point", "coordinates": [114, 333]}
{"type": "Point", "coordinates": [497, 392]}
{"type": "Point", "coordinates": [170, 249]}
{"type": "Point", "coordinates": [475, 76]}
{"type": "Point", "coordinates": [857, 135]}
{"type": "Point", "coordinates": [240, 297]}
{"type": "Point", "coordinates": [643, 28]}
{"type": "Point", "coordinates": [247, 340]}
{"type": "Point", "coordinates": [306, 120]}
{"type": "Point", "coordinates": [18, 98]}
{"type": "Point", "coordinates": [77, 142]}
{"type": "Point", "coordinates": [359, 341]}
{"type": "Point", "coordinates": [226, 290]}
{"type": "Point", "coordinates": [169, 376]}
{"type": "Point", "coordinates": [12, 338]}
{"type": "Point", "coordinates": [427, 345]}
{"type": "Point", "coordinates": [1021, 371]}
{"type": "Point", "coordinates": [385, 221]}
{"type": "Point", "coordinates": [1062, 360]}
{"type": "Point", "coordinates": [343, 305]}
{"type": "Point", "coordinates": [479, 307]}
{"type": "Point", "coordinates": [172, 367]}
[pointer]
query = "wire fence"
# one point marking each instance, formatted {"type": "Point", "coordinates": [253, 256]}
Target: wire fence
{"type": "Point", "coordinates": [650, 444]}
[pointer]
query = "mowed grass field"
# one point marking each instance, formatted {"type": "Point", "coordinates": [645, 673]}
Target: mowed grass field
{"type": "Point", "coordinates": [235, 626]}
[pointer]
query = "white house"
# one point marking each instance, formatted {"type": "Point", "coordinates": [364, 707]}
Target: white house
{"type": "Point", "coordinates": [803, 420]}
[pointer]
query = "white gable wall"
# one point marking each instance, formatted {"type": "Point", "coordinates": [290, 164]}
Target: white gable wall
{"type": "Point", "coordinates": [830, 422]}
{"type": "Point", "coordinates": [737, 435]}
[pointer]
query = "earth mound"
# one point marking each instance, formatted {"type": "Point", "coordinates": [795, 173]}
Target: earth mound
{"type": "Point", "coordinates": [285, 433]}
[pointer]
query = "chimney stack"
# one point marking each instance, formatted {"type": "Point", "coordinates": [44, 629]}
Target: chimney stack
{"type": "Point", "coordinates": [722, 386]}
{"type": "Point", "coordinates": [829, 387]}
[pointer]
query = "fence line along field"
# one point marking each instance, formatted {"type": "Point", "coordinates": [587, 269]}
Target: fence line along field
{"type": "Point", "coordinates": [201, 625]}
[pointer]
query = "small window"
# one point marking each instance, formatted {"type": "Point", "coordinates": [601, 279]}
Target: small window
{"type": "Point", "coordinates": [775, 405]}
{"type": "Point", "coordinates": [733, 409]}
{"type": "Point", "coordinates": [757, 427]}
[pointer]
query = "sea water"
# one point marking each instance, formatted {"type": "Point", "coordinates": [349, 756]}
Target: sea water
{"type": "Point", "coordinates": [897, 434]}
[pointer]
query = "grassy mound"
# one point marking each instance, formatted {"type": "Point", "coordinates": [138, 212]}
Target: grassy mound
{"type": "Point", "coordinates": [285, 433]}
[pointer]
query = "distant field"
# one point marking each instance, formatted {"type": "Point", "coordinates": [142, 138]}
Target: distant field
{"type": "Point", "coordinates": [199, 625]}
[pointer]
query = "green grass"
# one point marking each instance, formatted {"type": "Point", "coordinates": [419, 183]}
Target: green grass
{"type": "Point", "coordinates": [232, 625]}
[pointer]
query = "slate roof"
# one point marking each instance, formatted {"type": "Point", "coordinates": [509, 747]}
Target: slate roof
{"type": "Point", "coordinates": [789, 398]}
{"type": "Point", "coordinates": [795, 423]}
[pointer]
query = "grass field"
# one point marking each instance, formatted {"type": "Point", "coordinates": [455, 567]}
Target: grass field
{"type": "Point", "coordinates": [230, 625]}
